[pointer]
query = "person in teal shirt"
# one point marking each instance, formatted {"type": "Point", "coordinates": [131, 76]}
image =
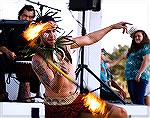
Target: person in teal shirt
{"type": "Point", "coordinates": [137, 70]}
{"type": "Point", "coordinates": [107, 78]}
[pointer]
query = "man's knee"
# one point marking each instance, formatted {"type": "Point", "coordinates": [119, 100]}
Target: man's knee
{"type": "Point", "coordinates": [118, 112]}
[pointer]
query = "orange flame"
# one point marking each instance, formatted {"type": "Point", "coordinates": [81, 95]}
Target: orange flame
{"type": "Point", "coordinates": [94, 104]}
{"type": "Point", "coordinates": [34, 31]}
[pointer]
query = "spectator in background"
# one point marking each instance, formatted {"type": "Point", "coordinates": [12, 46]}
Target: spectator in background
{"type": "Point", "coordinates": [147, 93]}
{"type": "Point", "coordinates": [137, 70]}
{"type": "Point", "coordinates": [107, 78]}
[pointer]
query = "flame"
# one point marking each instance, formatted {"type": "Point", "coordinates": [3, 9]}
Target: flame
{"type": "Point", "coordinates": [94, 104]}
{"type": "Point", "coordinates": [34, 31]}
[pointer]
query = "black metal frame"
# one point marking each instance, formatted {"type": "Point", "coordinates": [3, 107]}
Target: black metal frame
{"type": "Point", "coordinates": [83, 66]}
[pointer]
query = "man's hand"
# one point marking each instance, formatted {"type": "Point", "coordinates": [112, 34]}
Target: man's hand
{"type": "Point", "coordinates": [122, 94]}
{"type": "Point", "coordinates": [121, 25]}
{"type": "Point", "coordinates": [11, 55]}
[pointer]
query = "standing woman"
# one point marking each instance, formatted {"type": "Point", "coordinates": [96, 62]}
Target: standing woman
{"type": "Point", "coordinates": [137, 70]}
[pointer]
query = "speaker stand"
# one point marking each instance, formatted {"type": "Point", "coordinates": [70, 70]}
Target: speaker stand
{"type": "Point", "coordinates": [82, 66]}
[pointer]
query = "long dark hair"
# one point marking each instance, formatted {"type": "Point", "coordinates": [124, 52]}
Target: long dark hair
{"type": "Point", "coordinates": [134, 46]}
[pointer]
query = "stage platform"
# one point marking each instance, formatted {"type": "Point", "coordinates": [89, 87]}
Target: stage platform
{"type": "Point", "coordinates": [36, 110]}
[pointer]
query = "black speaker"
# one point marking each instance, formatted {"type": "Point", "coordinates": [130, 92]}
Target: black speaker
{"type": "Point", "coordinates": [96, 5]}
{"type": "Point", "coordinates": [82, 5]}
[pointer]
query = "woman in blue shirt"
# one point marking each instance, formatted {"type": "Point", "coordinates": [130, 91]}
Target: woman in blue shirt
{"type": "Point", "coordinates": [137, 70]}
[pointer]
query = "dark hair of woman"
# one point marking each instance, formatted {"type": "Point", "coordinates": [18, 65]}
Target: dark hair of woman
{"type": "Point", "coordinates": [136, 46]}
